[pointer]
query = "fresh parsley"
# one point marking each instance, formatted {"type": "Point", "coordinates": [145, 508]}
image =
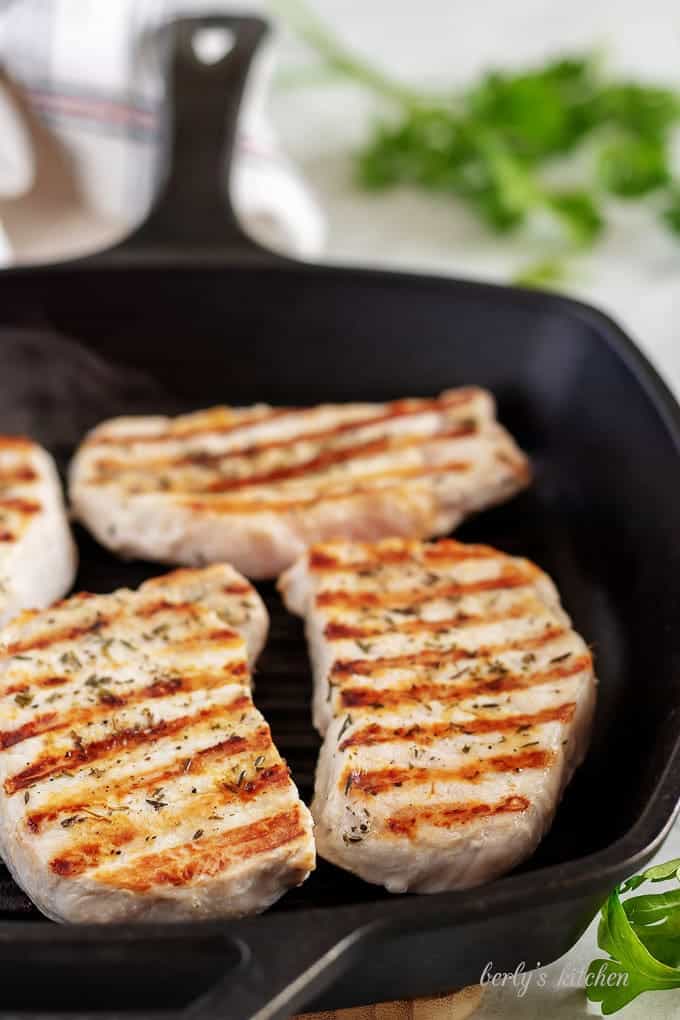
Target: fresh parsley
{"type": "Point", "coordinates": [499, 145]}
{"type": "Point", "coordinates": [641, 937]}
{"type": "Point", "coordinates": [671, 211]}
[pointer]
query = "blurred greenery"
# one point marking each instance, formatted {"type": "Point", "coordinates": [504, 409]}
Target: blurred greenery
{"type": "Point", "coordinates": [633, 166]}
{"type": "Point", "coordinates": [495, 146]}
{"type": "Point", "coordinates": [671, 212]}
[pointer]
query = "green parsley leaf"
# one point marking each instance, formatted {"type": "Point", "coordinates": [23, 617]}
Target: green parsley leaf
{"type": "Point", "coordinates": [579, 215]}
{"type": "Point", "coordinates": [540, 112]}
{"type": "Point", "coordinates": [495, 145]}
{"type": "Point", "coordinates": [545, 273]}
{"type": "Point", "coordinates": [633, 166]}
{"type": "Point", "coordinates": [642, 938]}
{"type": "Point", "coordinates": [643, 110]}
{"type": "Point", "coordinates": [671, 214]}
{"type": "Point", "coordinates": [657, 873]}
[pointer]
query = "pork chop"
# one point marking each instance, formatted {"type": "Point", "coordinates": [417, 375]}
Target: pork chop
{"type": "Point", "coordinates": [456, 701]}
{"type": "Point", "coordinates": [139, 781]}
{"type": "Point", "coordinates": [255, 486]}
{"type": "Point", "coordinates": [37, 554]}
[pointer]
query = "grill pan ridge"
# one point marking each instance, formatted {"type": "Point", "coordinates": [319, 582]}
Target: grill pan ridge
{"type": "Point", "coordinates": [187, 312]}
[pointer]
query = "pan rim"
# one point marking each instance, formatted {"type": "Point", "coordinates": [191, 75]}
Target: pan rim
{"type": "Point", "coordinates": [576, 877]}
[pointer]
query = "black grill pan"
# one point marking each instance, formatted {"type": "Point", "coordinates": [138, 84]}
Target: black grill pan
{"type": "Point", "coordinates": [188, 312]}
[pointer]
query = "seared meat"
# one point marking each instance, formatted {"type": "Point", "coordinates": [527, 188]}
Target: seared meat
{"type": "Point", "coordinates": [138, 779]}
{"type": "Point", "coordinates": [456, 701]}
{"type": "Point", "coordinates": [37, 554]}
{"type": "Point", "coordinates": [256, 486]}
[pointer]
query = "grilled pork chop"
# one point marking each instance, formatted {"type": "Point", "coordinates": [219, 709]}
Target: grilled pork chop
{"type": "Point", "coordinates": [256, 486]}
{"type": "Point", "coordinates": [37, 554]}
{"type": "Point", "coordinates": [456, 702]}
{"type": "Point", "coordinates": [139, 780]}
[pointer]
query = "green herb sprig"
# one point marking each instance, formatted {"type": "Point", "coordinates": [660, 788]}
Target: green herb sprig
{"type": "Point", "coordinates": [496, 145]}
{"type": "Point", "coordinates": [641, 936]}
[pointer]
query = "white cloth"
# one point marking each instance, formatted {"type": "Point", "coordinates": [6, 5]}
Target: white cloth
{"type": "Point", "coordinates": [87, 68]}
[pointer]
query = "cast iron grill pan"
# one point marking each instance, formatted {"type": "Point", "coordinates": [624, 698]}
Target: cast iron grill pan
{"type": "Point", "coordinates": [189, 312]}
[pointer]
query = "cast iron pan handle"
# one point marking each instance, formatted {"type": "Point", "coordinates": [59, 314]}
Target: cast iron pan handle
{"type": "Point", "coordinates": [192, 215]}
{"type": "Point", "coordinates": [256, 969]}
{"type": "Point", "coordinates": [289, 960]}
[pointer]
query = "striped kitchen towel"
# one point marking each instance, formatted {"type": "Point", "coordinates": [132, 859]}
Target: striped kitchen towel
{"type": "Point", "coordinates": [90, 73]}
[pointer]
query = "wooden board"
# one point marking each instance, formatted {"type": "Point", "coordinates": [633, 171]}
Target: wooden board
{"type": "Point", "coordinates": [456, 1006]}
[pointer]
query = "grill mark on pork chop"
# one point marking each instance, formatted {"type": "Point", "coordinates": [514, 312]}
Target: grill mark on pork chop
{"type": "Point", "coordinates": [48, 765]}
{"type": "Point", "coordinates": [361, 485]}
{"type": "Point", "coordinates": [429, 733]}
{"type": "Point", "coordinates": [54, 722]}
{"type": "Point", "coordinates": [102, 621]}
{"type": "Point", "coordinates": [199, 763]}
{"type": "Point", "coordinates": [74, 632]}
{"type": "Point", "coordinates": [371, 783]}
{"type": "Point", "coordinates": [58, 634]}
{"type": "Point", "coordinates": [331, 433]}
{"type": "Point", "coordinates": [190, 574]}
{"type": "Point", "coordinates": [181, 865]}
{"type": "Point", "coordinates": [395, 409]}
{"type": "Point", "coordinates": [24, 687]}
{"type": "Point", "coordinates": [445, 816]}
{"type": "Point", "coordinates": [320, 462]}
{"type": "Point", "coordinates": [238, 589]}
{"type": "Point", "coordinates": [47, 682]}
{"type": "Point", "coordinates": [433, 658]}
{"type": "Point", "coordinates": [508, 578]}
{"type": "Point", "coordinates": [21, 474]}
{"type": "Point", "coordinates": [321, 560]}
{"type": "Point", "coordinates": [225, 636]}
{"type": "Point", "coordinates": [370, 697]}
{"type": "Point", "coordinates": [191, 609]}
{"type": "Point", "coordinates": [239, 420]}
{"type": "Point", "coordinates": [16, 443]}
{"type": "Point", "coordinates": [163, 604]}
{"type": "Point", "coordinates": [446, 549]}
{"type": "Point", "coordinates": [84, 856]}
{"type": "Point", "coordinates": [328, 458]}
{"type": "Point", "coordinates": [346, 631]}
{"type": "Point", "coordinates": [24, 507]}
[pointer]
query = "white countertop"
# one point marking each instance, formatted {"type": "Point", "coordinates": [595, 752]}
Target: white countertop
{"type": "Point", "coordinates": [634, 274]}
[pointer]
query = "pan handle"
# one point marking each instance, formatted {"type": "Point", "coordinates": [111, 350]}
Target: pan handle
{"type": "Point", "coordinates": [257, 969]}
{"type": "Point", "coordinates": [289, 959]}
{"type": "Point", "coordinates": [193, 214]}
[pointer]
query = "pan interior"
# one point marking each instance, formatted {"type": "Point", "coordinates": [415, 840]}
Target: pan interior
{"type": "Point", "coordinates": [80, 346]}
